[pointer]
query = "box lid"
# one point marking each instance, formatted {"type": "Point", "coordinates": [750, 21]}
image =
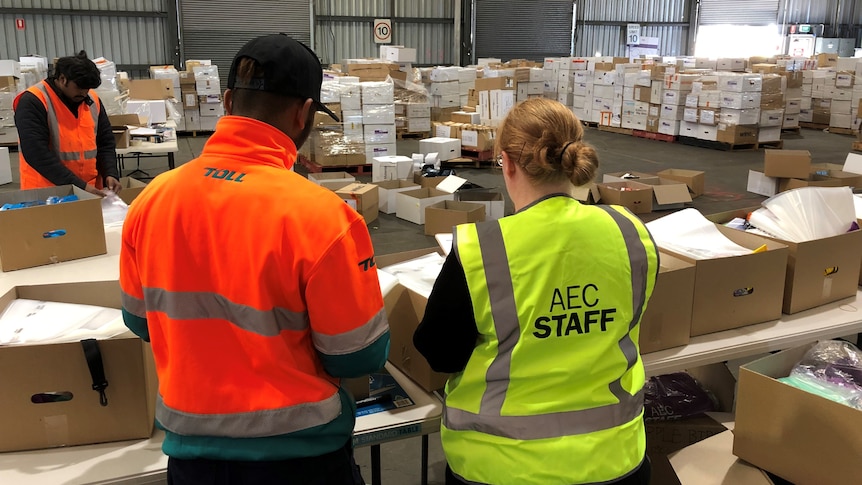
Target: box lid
{"type": "Point", "coordinates": [671, 192]}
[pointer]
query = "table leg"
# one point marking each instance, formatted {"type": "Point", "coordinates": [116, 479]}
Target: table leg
{"type": "Point", "coordinates": [424, 459]}
{"type": "Point", "coordinates": [171, 160]}
{"type": "Point", "coordinates": [376, 479]}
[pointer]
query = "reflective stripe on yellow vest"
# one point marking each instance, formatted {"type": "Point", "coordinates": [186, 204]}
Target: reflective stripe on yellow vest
{"type": "Point", "coordinates": [555, 382]}
{"type": "Point", "coordinates": [72, 139]}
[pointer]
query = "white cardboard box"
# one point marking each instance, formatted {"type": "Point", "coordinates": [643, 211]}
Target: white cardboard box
{"type": "Point", "coordinates": [323, 178]}
{"type": "Point", "coordinates": [382, 150]}
{"type": "Point", "coordinates": [5, 166]}
{"type": "Point", "coordinates": [153, 110]}
{"type": "Point", "coordinates": [211, 109]}
{"type": "Point", "coordinates": [391, 168]}
{"type": "Point", "coordinates": [410, 205]}
{"type": "Point", "coordinates": [760, 184]}
{"type": "Point", "coordinates": [379, 134]}
{"type": "Point", "coordinates": [445, 148]}
{"type": "Point", "coordinates": [387, 191]}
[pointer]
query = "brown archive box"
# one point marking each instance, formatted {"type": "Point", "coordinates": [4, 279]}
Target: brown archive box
{"type": "Point", "coordinates": [666, 323]}
{"type": "Point", "coordinates": [799, 436]}
{"type": "Point", "coordinates": [31, 373]}
{"type": "Point", "coordinates": [405, 309]}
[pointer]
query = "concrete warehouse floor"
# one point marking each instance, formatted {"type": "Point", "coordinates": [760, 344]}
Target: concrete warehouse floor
{"type": "Point", "coordinates": [726, 175]}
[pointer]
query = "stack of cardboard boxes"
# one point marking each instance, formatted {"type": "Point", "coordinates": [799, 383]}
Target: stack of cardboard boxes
{"type": "Point", "coordinates": [9, 89]}
{"type": "Point", "coordinates": [208, 88]}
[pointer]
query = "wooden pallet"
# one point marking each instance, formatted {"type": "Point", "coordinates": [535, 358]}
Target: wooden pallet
{"type": "Point", "coordinates": [654, 136]}
{"type": "Point", "coordinates": [774, 145]}
{"type": "Point", "coordinates": [614, 129]}
{"type": "Point", "coordinates": [412, 135]}
{"type": "Point", "coordinates": [466, 162]}
{"type": "Point", "coordinates": [592, 124]}
{"type": "Point", "coordinates": [841, 131]}
{"type": "Point", "coordinates": [315, 168]}
{"type": "Point", "coordinates": [478, 156]}
{"type": "Point", "coordinates": [857, 146]}
{"type": "Point", "coordinates": [717, 145]}
{"type": "Point", "coordinates": [796, 130]}
{"type": "Point", "coordinates": [813, 126]}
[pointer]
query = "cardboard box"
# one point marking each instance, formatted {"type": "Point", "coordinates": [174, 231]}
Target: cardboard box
{"type": "Point", "coordinates": [363, 198]}
{"type": "Point", "coordinates": [587, 194]}
{"type": "Point", "coordinates": [410, 205]}
{"type": "Point", "coordinates": [670, 195]}
{"type": "Point", "coordinates": [787, 163]}
{"type": "Point", "coordinates": [666, 323]}
{"type": "Point", "coordinates": [797, 435]}
{"type": "Point", "coordinates": [495, 206]}
{"type": "Point", "coordinates": [386, 191]}
{"type": "Point", "coordinates": [121, 136]}
{"type": "Point", "coordinates": [637, 197]}
{"type": "Point", "coordinates": [426, 182]}
{"type": "Point", "coordinates": [391, 167]}
{"type": "Point", "coordinates": [694, 179]}
{"type": "Point", "coordinates": [371, 71]}
{"type": "Point", "coordinates": [644, 178]}
{"type": "Point", "coordinates": [154, 89]}
{"type": "Point", "coordinates": [61, 367]}
{"type": "Point", "coordinates": [711, 462]}
{"type": "Point", "coordinates": [442, 216]}
{"type": "Point", "coordinates": [132, 188]}
{"type": "Point", "coordinates": [760, 184]}
{"type": "Point", "coordinates": [29, 237]}
{"type": "Point", "coordinates": [736, 291]}
{"type": "Point", "coordinates": [737, 134]}
{"type": "Point", "coordinates": [5, 166]}
{"type": "Point", "coordinates": [445, 148]}
{"type": "Point", "coordinates": [405, 309]}
{"type": "Point", "coordinates": [332, 180]}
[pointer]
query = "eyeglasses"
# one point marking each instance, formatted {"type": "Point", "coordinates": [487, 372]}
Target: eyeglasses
{"type": "Point", "coordinates": [499, 160]}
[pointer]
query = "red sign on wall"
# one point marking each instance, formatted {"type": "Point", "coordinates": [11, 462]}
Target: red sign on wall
{"type": "Point", "coordinates": [19, 24]}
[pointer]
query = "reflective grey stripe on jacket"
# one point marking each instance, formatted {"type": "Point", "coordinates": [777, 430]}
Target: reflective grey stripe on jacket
{"type": "Point", "coordinates": [490, 420]}
{"type": "Point", "coordinates": [253, 424]}
{"type": "Point", "coordinates": [54, 127]}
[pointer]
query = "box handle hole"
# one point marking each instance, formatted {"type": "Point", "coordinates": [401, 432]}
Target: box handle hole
{"type": "Point", "coordinates": [49, 397]}
{"type": "Point", "coordinates": [830, 271]}
{"type": "Point", "coordinates": [743, 291]}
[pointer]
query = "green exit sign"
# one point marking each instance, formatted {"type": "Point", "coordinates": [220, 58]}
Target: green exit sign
{"type": "Point", "coordinates": [804, 29]}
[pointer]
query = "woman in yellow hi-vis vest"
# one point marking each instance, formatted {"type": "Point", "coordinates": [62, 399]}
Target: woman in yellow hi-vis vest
{"type": "Point", "coordinates": [537, 315]}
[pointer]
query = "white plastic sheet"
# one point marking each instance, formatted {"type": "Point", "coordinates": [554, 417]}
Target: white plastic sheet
{"type": "Point", "coordinates": [857, 201]}
{"type": "Point", "coordinates": [418, 274]}
{"type": "Point", "coordinates": [689, 233]}
{"type": "Point", "coordinates": [113, 209]}
{"type": "Point", "coordinates": [40, 322]}
{"type": "Point", "coordinates": [807, 213]}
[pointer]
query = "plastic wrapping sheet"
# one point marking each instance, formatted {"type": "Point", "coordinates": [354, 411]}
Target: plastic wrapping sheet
{"type": "Point", "coordinates": [857, 202]}
{"type": "Point", "coordinates": [331, 91]}
{"type": "Point", "coordinates": [831, 369]}
{"type": "Point", "coordinates": [807, 213]}
{"type": "Point", "coordinates": [113, 209]}
{"type": "Point", "coordinates": [336, 142]}
{"type": "Point", "coordinates": [205, 73]}
{"type": "Point", "coordinates": [418, 274]}
{"type": "Point", "coordinates": [37, 322]}
{"type": "Point", "coordinates": [378, 92]}
{"type": "Point", "coordinates": [675, 396]}
{"type": "Point", "coordinates": [410, 91]}
{"type": "Point", "coordinates": [689, 233]}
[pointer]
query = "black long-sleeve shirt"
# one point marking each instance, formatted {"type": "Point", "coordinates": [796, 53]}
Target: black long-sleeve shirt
{"type": "Point", "coordinates": [31, 119]}
{"type": "Point", "coordinates": [447, 334]}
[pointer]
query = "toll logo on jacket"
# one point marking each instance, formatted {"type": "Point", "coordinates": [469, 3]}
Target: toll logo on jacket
{"type": "Point", "coordinates": [574, 310]}
{"type": "Point", "coordinates": [223, 174]}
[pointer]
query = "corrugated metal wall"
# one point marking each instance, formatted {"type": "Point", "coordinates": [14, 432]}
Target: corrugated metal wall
{"type": "Point", "coordinates": [822, 11]}
{"type": "Point", "coordinates": [428, 26]}
{"type": "Point", "coordinates": [738, 12]}
{"type": "Point", "coordinates": [216, 29]}
{"type": "Point", "coordinates": [523, 29]}
{"type": "Point", "coordinates": [122, 37]}
{"type": "Point", "coordinates": [601, 25]}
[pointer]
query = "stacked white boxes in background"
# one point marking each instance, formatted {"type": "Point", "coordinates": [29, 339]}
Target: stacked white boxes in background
{"type": "Point", "coordinates": [552, 69]}
{"type": "Point", "coordinates": [466, 82]}
{"type": "Point", "coordinates": [176, 104]}
{"type": "Point", "coordinates": [773, 101]}
{"type": "Point", "coordinates": [636, 95]}
{"type": "Point", "coordinates": [445, 87]}
{"type": "Point", "coordinates": [10, 86]}
{"type": "Point", "coordinates": [740, 101]}
{"type": "Point", "coordinates": [604, 96]}
{"type": "Point", "coordinates": [582, 94]}
{"type": "Point", "coordinates": [378, 118]}
{"type": "Point", "coordinates": [842, 112]}
{"type": "Point", "coordinates": [109, 90]}
{"type": "Point", "coordinates": [531, 83]}
{"type": "Point", "coordinates": [208, 88]}
{"type": "Point", "coordinates": [676, 89]}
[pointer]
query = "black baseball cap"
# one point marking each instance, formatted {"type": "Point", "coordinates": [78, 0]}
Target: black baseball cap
{"type": "Point", "coordinates": [290, 69]}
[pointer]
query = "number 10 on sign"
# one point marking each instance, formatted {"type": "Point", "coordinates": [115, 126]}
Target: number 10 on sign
{"type": "Point", "coordinates": [633, 34]}
{"type": "Point", "coordinates": [383, 31]}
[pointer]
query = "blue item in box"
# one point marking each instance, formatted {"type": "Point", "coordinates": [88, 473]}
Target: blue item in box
{"type": "Point", "coordinates": [33, 203]}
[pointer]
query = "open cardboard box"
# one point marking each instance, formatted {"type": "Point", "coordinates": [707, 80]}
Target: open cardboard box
{"type": "Point", "coordinates": [405, 309]}
{"type": "Point", "coordinates": [694, 179]}
{"type": "Point", "coordinates": [443, 216]}
{"type": "Point", "coordinates": [46, 234]}
{"type": "Point", "coordinates": [666, 323]}
{"type": "Point", "coordinates": [32, 370]}
{"type": "Point", "coordinates": [797, 435]}
{"type": "Point", "coordinates": [711, 462]}
{"type": "Point", "coordinates": [735, 291]}
{"type": "Point", "coordinates": [587, 194]}
{"type": "Point", "coordinates": [814, 274]}
{"type": "Point", "coordinates": [387, 189]}
{"type": "Point", "coordinates": [634, 196]}
{"type": "Point", "coordinates": [132, 188]}
{"type": "Point", "coordinates": [363, 198]}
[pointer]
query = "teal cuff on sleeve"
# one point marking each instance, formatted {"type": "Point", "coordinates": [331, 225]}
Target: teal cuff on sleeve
{"type": "Point", "coordinates": [137, 325]}
{"type": "Point", "coordinates": [368, 360]}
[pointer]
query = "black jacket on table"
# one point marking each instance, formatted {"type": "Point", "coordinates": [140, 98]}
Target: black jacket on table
{"type": "Point", "coordinates": [31, 119]}
{"type": "Point", "coordinates": [447, 334]}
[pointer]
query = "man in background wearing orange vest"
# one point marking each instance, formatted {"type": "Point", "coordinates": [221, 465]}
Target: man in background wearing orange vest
{"type": "Point", "coordinates": [64, 132]}
{"type": "Point", "coordinates": [257, 289]}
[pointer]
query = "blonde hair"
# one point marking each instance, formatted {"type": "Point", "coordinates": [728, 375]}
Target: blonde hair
{"type": "Point", "coordinates": [545, 138]}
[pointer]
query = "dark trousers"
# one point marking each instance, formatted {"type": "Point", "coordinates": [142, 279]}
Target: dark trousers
{"type": "Point", "coordinates": [640, 477]}
{"type": "Point", "coordinates": [335, 468]}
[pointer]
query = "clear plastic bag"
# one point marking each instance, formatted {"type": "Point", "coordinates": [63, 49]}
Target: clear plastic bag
{"type": "Point", "coordinates": [675, 396]}
{"type": "Point", "coordinates": [832, 369]}
{"type": "Point", "coordinates": [113, 209]}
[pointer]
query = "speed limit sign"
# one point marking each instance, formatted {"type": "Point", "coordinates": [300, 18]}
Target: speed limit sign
{"type": "Point", "coordinates": [383, 31]}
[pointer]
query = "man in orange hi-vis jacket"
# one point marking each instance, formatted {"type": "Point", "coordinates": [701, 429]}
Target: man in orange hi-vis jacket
{"type": "Point", "coordinates": [257, 289]}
